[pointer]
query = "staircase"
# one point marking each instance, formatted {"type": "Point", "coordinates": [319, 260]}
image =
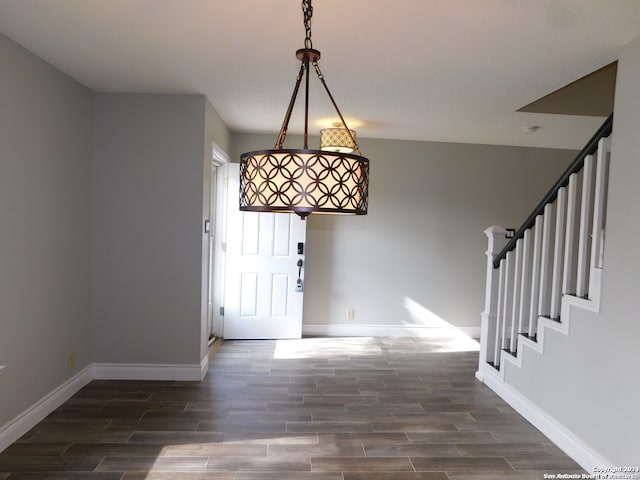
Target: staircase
{"type": "Point", "coordinates": [537, 274]}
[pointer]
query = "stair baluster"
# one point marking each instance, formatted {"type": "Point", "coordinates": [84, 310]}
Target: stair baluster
{"type": "Point", "coordinates": [535, 278]}
{"type": "Point", "coordinates": [546, 258]}
{"type": "Point", "coordinates": [500, 315]}
{"type": "Point", "coordinates": [525, 288]}
{"type": "Point", "coordinates": [584, 236]}
{"type": "Point", "coordinates": [558, 254]}
{"type": "Point", "coordinates": [569, 271]}
{"type": "Point", "coordinates": [507, 301]}
{"type": "Point", "coordinates": [515, 307]}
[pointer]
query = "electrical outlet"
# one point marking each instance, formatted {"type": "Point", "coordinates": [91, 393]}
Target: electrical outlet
{"type": "Point", "coordinates": [71, 360]}
{"type": "Point", "coordinates": [350, 314]}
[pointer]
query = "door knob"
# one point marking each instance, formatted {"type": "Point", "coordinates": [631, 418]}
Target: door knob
{"type": "Point", "coordinates": [299, 287]}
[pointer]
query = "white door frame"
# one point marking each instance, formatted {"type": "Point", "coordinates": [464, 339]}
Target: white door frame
{"type": "Point", "coordinates": [218, 230]}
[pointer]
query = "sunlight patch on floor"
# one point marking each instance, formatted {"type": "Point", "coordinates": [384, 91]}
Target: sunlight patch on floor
{"type": "Point", "coordinates": [450, 340]}
{"type": "Point", "coordinates": [326, 347]}
{"type": "Point", "coordinates": [433, 340]}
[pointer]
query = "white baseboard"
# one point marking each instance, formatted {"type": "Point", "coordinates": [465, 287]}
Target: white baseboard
{"type": "Point", "coordinates": [570, 443]}
{"type": "Point", "coordinates": [138, 371]}
{"type": "Point", "coordinates": [204, 366]}
{"type": "Point", "coordinates": [355, 330]}
{"type": "Point", "coordinates": [28, 419]}
{"type": "Point", "coordinates": [24, 422]}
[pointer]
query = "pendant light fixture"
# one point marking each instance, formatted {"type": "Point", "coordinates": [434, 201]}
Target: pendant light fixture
{"type": "Point", "coordinates": [303, 180]}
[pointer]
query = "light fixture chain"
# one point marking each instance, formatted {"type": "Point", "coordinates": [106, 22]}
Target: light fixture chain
{"type": "Point", "coordinates": [316, 65]}
{"type": "Point", "coordinates": [307, 11]}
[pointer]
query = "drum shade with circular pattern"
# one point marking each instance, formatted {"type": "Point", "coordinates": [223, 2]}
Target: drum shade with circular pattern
{"type": "Point", "coordinates": [304, 182]}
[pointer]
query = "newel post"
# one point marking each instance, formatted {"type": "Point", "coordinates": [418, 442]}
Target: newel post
{"type": "Point", "coordinates": [495, 237]}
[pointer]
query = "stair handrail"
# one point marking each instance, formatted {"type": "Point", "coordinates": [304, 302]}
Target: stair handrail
{"type": "Point", "coordinates": [575, 166]}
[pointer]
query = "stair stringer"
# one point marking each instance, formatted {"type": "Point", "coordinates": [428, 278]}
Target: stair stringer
{"type": "Point", "coordinates": [571, 444]}
{"type": "Point", "coordinates": [564, 326]}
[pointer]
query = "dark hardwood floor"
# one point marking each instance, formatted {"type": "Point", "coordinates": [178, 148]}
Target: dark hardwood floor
{"type": "Point", "coordinates": [313, 409]}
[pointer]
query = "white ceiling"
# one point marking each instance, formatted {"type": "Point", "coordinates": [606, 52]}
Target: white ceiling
{"type": "Point", "coordinates": [443, 70]}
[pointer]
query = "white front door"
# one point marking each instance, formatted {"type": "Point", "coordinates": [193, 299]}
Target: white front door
{"type": "Point", "coordinates": [264, 281]}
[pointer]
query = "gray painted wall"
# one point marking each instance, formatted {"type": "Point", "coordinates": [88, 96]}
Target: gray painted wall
{"type": "Point", "coordinates": [147, 227]}
{"type": "Point", "coordinates": [45, 228]}
{"type": "Point", "coordinates": [422, 240]}
{"type": "Point", "coordinates": [588, 381]}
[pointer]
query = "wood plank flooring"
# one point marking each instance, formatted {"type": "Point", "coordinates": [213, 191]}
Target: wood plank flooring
{"type": "Point", "coordinates": [312, 409]}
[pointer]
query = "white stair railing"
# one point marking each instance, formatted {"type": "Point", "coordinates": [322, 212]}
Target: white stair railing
{"type": "Point", "coordinates": [558, 252]}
